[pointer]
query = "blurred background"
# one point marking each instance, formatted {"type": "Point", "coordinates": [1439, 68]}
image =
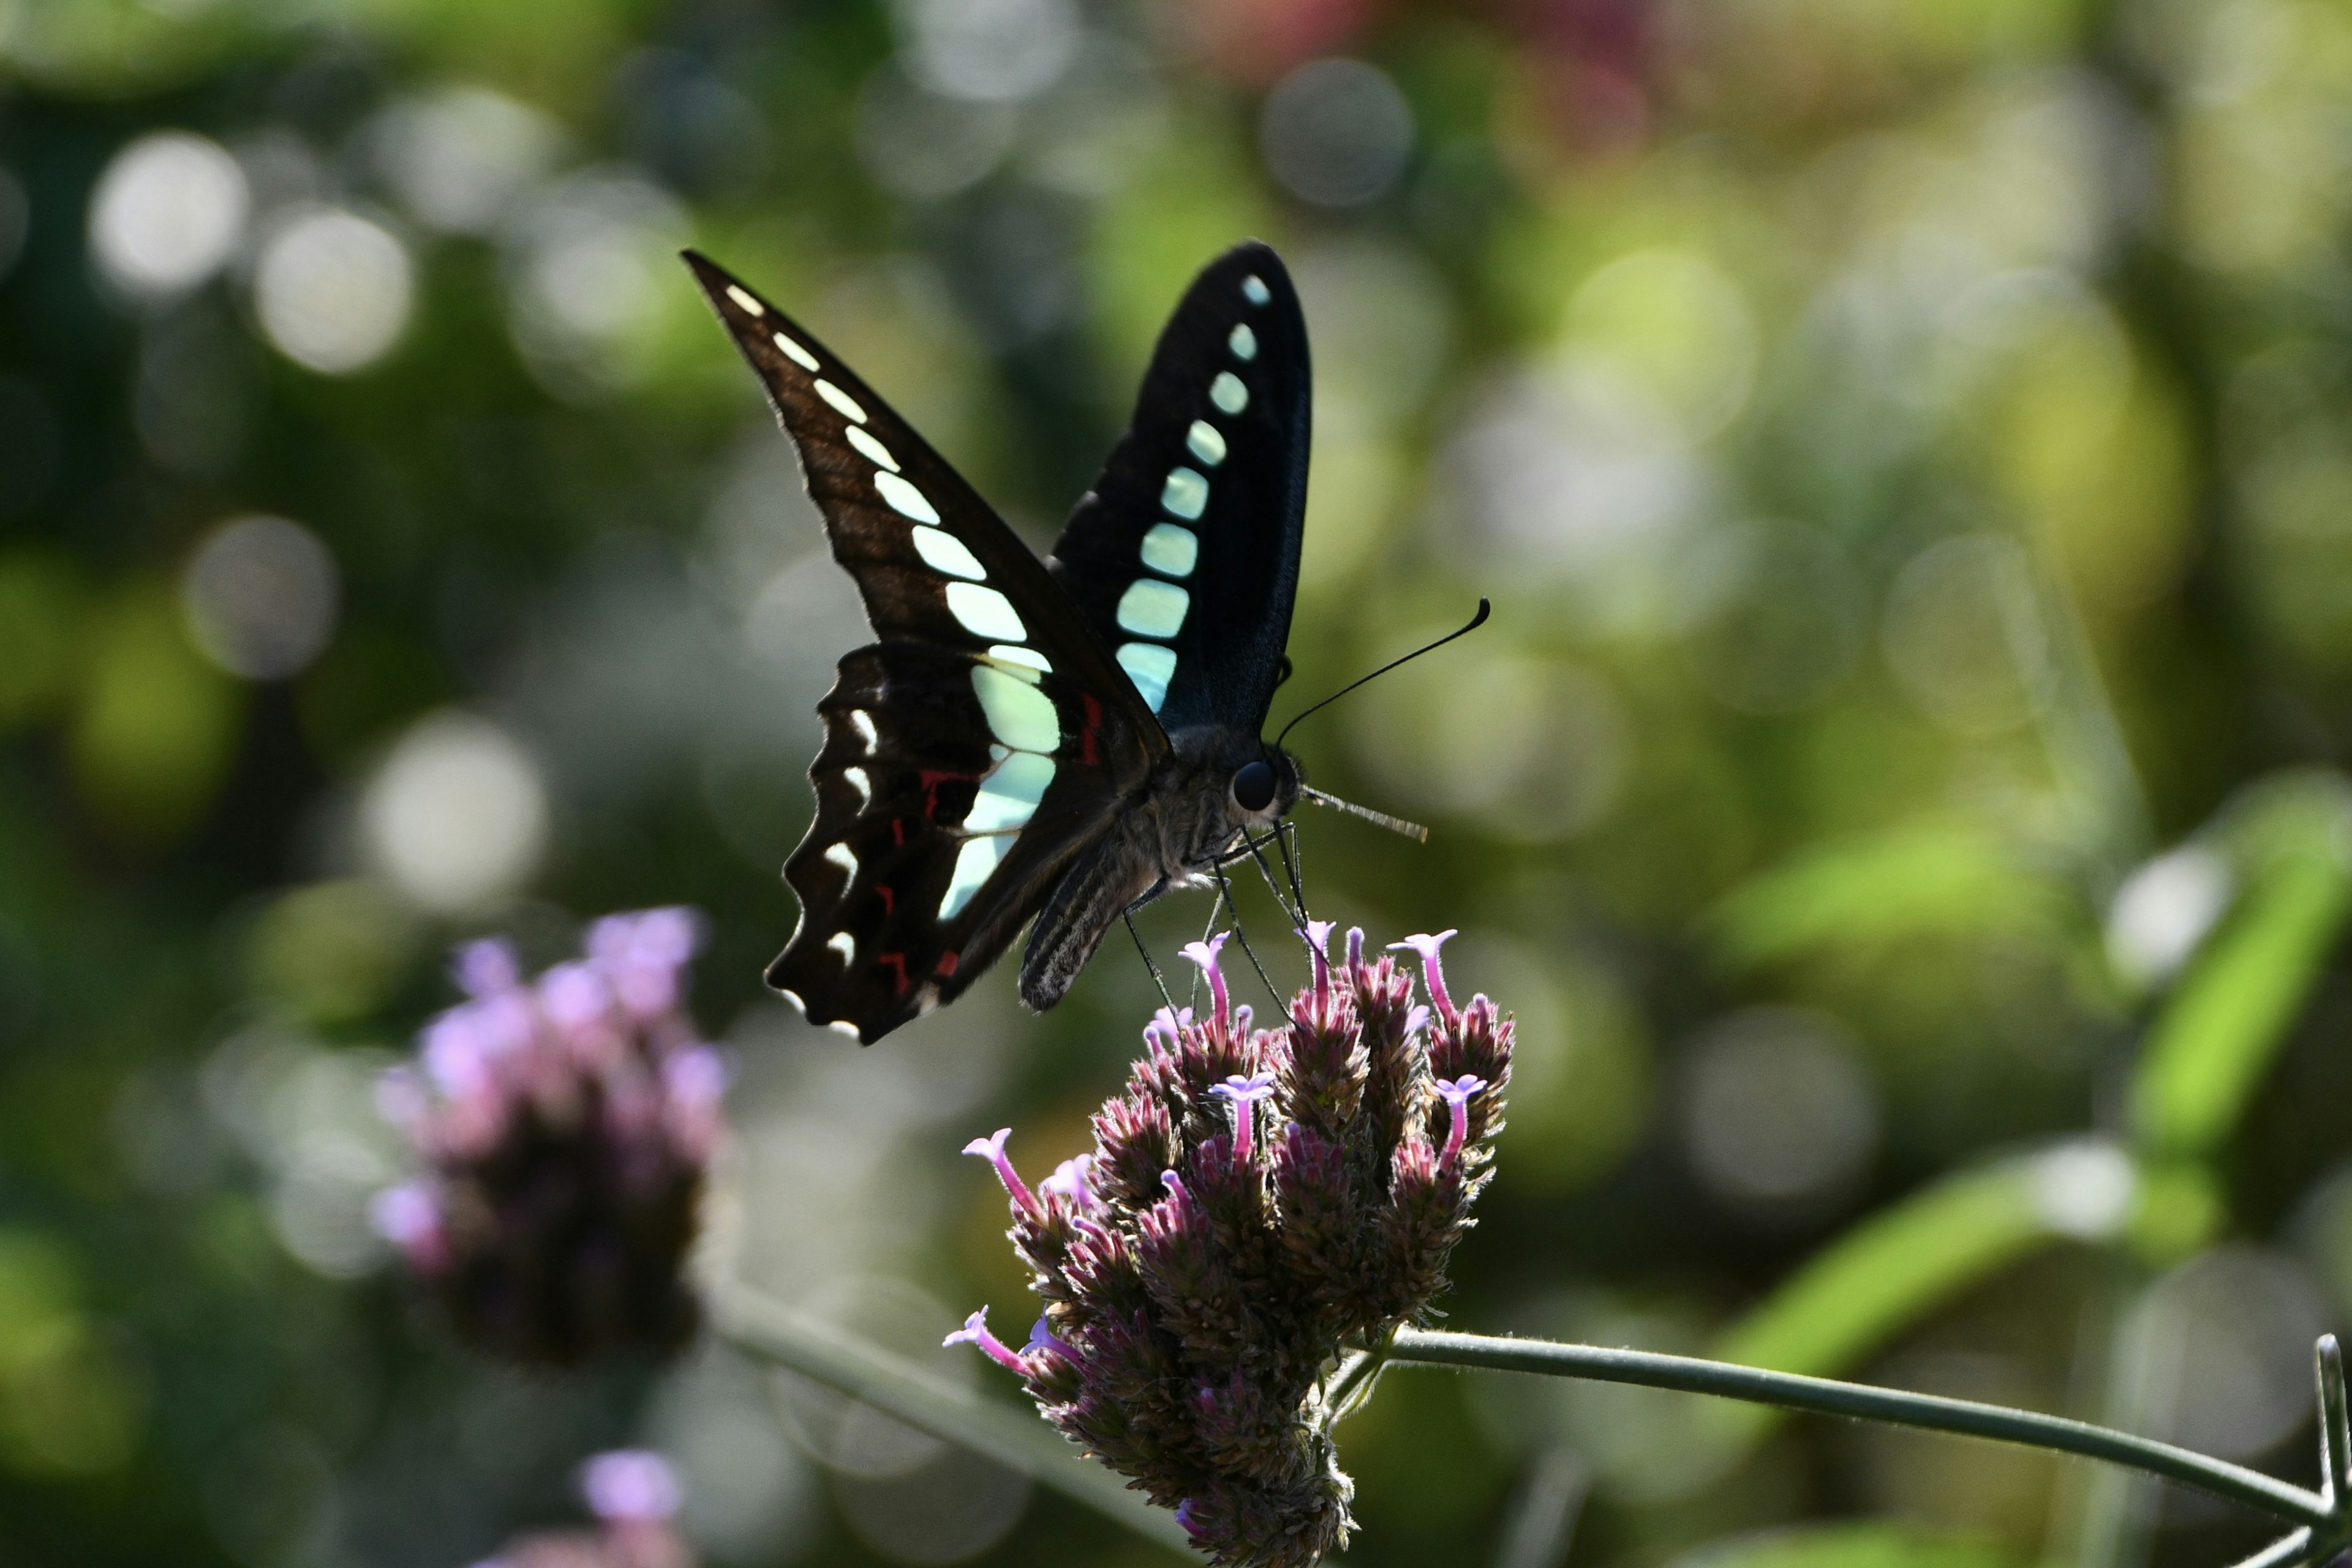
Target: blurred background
{"type": "Point", "coordinates": [1906, 448]}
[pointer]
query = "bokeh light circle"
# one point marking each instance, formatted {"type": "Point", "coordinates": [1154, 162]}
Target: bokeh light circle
{"type": "Point", "coordinates": [167, 214]}
{"type": "Point", "coordinates": [1336, 133]}
{"type": "Point", "coordinates": [333, 290]}
{"type": "Point", "coordinates": [260, 594]}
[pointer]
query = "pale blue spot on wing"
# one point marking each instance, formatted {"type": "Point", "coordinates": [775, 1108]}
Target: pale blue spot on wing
{"type": "Point", "coordinates": [1020, 717]}
{"type": "Point", "coordinates": [1009, 796]}
{"type": "Point", "coordinates": [943, 552]}
{"type": "Point", "coordinates": [905, 498]}
{"type": "Point", "coordinates": [1186, 493]}
{"type": "Point", "coordinates": [875, 452]}
{"type": "Point", "coordinates": [1243, 343]}
{"type": "Point", "coordinates": [844, 405]}
{"type": "Point", "coordinates": [1228, 393]}
{"type": "Point", "coordinates": [1206, 442]}
{"type": "Point", "coordinates": [975, 862]}
{"type": "Point", "coordinates": [1027, 657]}
{"type": "Point", "coordinates": [1152, 608]}
{"type": "Point", "coordinates": [985, 613]}
{"type": "Point", "coordinates": [1150, 666]}
{"type": "Point", "coordinates": [1171, 550]}
{"type": "Point", "coordinates": [1254, 290]}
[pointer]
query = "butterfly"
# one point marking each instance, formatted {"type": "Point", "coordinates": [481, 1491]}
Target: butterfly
{"type": "Point", "coordinates": [1042, 744]}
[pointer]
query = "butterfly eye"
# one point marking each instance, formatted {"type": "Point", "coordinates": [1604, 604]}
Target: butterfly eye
{"type": "Point", "coordinates": [1253, 786]}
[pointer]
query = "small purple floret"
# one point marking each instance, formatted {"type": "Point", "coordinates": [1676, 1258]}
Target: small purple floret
{"type": "Point", "coordinates": [1242, 1093]}
{"type": "Point", "coordinates": [1456, 1094]}
{"type": "Point", "coordinates": [975, 1332]}
{"type": "Point", "coordinates": [991, 1149]}
{"type": "Point", "coordinates": [1044, 1338]}
{"type": "Point", "coordinates": [1318, 947]}
{"type": "Point", "coordinates": [1204, 954]}
{"type": "Point", "coordinates": [487, 968]}
{"type": "Point", "coordinates": [1432, 973]}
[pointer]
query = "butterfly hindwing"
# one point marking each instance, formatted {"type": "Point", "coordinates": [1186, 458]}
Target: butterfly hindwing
{"type": "Point", "coordinates": [1183, 558]}
{"type": "Point", "coordinates": [970, 751]}
{"type": "Point", "coordinates": [934, 842]}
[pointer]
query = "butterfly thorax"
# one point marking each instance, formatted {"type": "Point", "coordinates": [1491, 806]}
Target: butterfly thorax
{"type": "Point", "coordinates": [1200, 802]}
{"type": "Point", "coordinates": [1214, 783]}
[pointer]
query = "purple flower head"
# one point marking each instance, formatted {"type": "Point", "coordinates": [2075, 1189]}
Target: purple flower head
{"type": "Point", "coordinates": [1204, 954]}
{"type": "Point", "coordinates": [1433, 974]}
{"type": "Point", "coordinates": [487, 968]}
{"type": "Point", "coordinates": [975, 1332]}
{"type": "Point", "coordinates": [561, 1144]}
{"type": "Point", "coordinates": [1243, 1094]}
{"type": "Point", "coordinates": [991, 1149]}
{"type": "Point", "coordinates": [1216, 1266]}
{"type": "Point", "coordinates": [643, 954]}
{"type": "Point", "coordinates": [409, 1216]}
{"type": "Point", "coordinates": [1318, 948]}
{"type": "Point", "coordinates": [1456, 1095]}
{"type": "Point", "coordinates": [629, 1486]}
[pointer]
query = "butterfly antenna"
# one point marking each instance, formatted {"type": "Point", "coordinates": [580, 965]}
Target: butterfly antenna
{"type": "Point", "coordinates": [1475, 621]}
{"type": "Point", "coordinates": [1412, 830]}
{"type": "Point", "coordinates": [1156, 979]}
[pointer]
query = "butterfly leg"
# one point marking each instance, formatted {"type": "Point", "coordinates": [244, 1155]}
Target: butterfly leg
{"type": "Point", "coordinates": [1225, 891]}
{"type": "Point", "coordinates": [1129, 916]}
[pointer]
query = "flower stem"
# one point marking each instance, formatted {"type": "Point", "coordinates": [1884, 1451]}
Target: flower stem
{"type": "Point", "coordinates": [1828, 1397]}
{"type": "Point", "coordinates": [764, 1328]}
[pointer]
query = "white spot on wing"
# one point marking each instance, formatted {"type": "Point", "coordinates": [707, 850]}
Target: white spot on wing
{"type": "Point", "coordinates": [842, 943]}
{"type": "Point", "coordinates": [843, 1027]}
{"type": "Point", "coordinates": [843, 855]}
{"type": "Point", "coordinates": [874, 451]}
{"type": "Point", "coordinates": [844, 404]}
{"type": "Point", "coordinates": [795, 998]}
{"type": "Point", "coordinates": [1150, 666]}
{"type": "Point", "coordinates": [795, 353]}
{"type": "Point", "coordinates": [864, 785]}
{"type": "Point", "coordinates": [943, 552]}
{"type": "Point", "coordinates": [1171, 550]}
{"type": "Point", "coordinates": [1243, 343]}
{"type": "Point", "coordinates": [1226, 392]}
{"type": "Point", "coordinates": [985, 613]}
{"type": "Point", "coordinates": [862, 723]}
{"type": "Point", "coordinates": [744, 302]}
{"type": "Point", "coordinates": [1152, 608]}
{"type": "Point", "coordinates": [905, 498]}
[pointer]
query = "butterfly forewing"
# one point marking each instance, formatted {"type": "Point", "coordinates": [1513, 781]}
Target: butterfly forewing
{"type": "Point", "coordinates": [970, 752]}
{"type": "Point", "coordinates": [1184, 556]}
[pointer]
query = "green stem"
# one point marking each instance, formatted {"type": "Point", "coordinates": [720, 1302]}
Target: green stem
{"type": "Point", "coordinates": [1828, 1397]}
{"type": "Point", "coordinates": [764, 1328]}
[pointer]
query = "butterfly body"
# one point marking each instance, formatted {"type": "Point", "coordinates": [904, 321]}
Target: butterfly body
{"type": "Point", "coordinates": [1184, 824]}
{"type": "Point", "coordinates": [1060, 739]}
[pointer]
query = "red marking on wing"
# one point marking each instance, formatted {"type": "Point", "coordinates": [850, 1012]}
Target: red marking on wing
{"type": "Point", "coordinates": [1089, 753]}
{"type": "Point", "coordinates": [931, 780]}
{"type": "Point", "coordinates": [890, 898]}
{"type": "Point", "coordinates": [948, 962]}
{"type": "Point", "coordinates": [897, 961]}
{"type": "Point", "coordinates": [898, 832]}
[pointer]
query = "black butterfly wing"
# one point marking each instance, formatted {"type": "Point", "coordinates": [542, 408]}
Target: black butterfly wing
{"type": "Point", "coordinates": [973, 751]}
{"type": "Point", "coordinates": [1184, 556]}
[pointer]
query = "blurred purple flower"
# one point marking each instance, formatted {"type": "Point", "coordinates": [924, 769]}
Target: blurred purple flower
{"type": "Point", "coordinates": [1200, 1280]}
{"type": "Point", "coordinates": [634, 1495]}
{"type": "Point", "coordinates": [565, 1126]}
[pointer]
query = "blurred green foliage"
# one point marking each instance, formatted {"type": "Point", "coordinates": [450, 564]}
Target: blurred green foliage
{"type": "Point", "coordinates": [1906, 448]}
